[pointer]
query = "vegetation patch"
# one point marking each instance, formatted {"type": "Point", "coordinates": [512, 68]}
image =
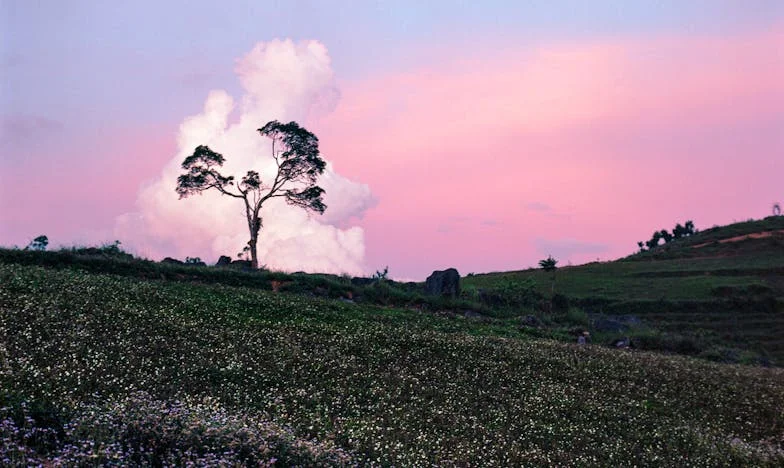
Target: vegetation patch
{"type": "Point", "coordinates": [334, 383]}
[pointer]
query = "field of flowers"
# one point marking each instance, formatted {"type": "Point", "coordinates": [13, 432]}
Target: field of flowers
{"type": "Point", "coordinates": [101, 369]}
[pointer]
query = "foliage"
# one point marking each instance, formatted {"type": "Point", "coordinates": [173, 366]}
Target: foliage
{"type": "Point", "coordinates": [39, 243]}
{"type": "Point", "coordinates": [381, 275]}
{"type": "Point", "coordinates": [226, 375]}
{"type": "Point", "coordinates": [139, 430]}
{"type": "Point", "coordinates": [193, 260]}
{"type": "Point", "coordinates": [548, 264]}
{"type": "Point", "coordinates": [678, 232]}
{"type": "Point", "coordinates": [298, 166]}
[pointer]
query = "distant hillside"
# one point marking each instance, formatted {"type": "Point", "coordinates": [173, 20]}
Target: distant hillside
{"type": "Point", "coordinates": [723, 286]}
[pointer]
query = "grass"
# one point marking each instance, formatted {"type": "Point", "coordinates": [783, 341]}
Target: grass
{"type": "Point", "coordinates": [108, 369]}
{"type": "Point", "coordinates": [733, 300]}
{"type": "Point", "coordinates": [716, 294]}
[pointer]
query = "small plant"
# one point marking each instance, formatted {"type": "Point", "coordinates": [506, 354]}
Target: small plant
{"type": "Point", "coordinates": [39, 243]}
{"type": "Point", "coordinates": [381, 275]}
{"type": "Point", "coordinates": [548, 264]}
{"type": "Point", "coordinates": [245, 254]}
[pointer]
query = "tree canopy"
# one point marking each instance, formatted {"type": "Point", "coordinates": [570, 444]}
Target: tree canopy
{"type": "Point", "coordinates": [298, 162]}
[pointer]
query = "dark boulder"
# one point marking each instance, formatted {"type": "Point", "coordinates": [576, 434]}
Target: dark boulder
{"type": "Point", "coordinates": [443, 283]}
{"type": "Point", "coordinates": [223, 261]}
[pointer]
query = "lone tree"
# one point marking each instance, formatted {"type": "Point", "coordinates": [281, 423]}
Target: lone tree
{"type": "Point", "coordinates": [296, 154]}
{"type": "Point", "coordinates": [549, 264]}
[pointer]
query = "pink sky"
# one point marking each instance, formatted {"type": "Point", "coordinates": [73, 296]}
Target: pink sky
{"type": "Point", "coordinates": [493, 160]}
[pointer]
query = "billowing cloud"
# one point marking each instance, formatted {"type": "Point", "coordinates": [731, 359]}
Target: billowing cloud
{"type": "Point", "coordinates": [285, 81]}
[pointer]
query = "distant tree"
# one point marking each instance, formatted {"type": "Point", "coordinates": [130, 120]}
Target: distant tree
{"type": "Point", "coordinates": [193, 260]}
{"type": "Point", "coordinates": [777, 209]}
{"type": "Point", "coordinates": [678, 232]}
{"type": "Point", "coordinates": [549, 264]}
{"type": "Point", "coordinates": [39, 243]}
{"type": "Point", "coordinates": [381, 275]}
{"type": "Point", "coordinates": [654, 242]}
{"type": "Point", "coordinates": [296, 154]}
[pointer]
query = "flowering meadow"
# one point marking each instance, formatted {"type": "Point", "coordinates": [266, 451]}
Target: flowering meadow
{"type": "Point", "coordinates": [107, 370]}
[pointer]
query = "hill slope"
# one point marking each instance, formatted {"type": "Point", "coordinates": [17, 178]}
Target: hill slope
{"type": "Point", "coordinates": [726, 283]}
{"type": "Point", "coordinates": [105, 369]}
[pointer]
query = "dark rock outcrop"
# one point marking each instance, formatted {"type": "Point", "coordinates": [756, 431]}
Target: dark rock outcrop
{"type": "Point", "coordinates": [443, 283]}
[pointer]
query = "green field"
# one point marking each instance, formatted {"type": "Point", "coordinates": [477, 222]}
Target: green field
{"type": "Point", "coordinates": [105, 369]}
{"type": "Point", "coordinates": [110, 360]}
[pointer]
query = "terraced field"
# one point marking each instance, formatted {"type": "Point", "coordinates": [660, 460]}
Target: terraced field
{"type": "Point", "coordinates": [104, 369]}
{"type": "Point", "coordinates": [724, 283]}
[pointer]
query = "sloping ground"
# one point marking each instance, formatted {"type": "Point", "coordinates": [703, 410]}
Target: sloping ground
{"type": "Point", "coordinates": [726, 282]}
{"type": "Point", "coordinates": [106, 369]}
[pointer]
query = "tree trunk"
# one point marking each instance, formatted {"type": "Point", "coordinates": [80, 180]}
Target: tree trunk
{"type": "Point", "coordinates": [254, 258]}
{"type": "Point", "coordinates": [255, 227]}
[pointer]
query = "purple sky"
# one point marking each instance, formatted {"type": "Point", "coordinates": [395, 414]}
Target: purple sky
{"type": "Point", "coordinates": [481, 136]}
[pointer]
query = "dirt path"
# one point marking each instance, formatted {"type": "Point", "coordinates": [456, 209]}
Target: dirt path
{"type": "Point", "coordinates": [753, 235]}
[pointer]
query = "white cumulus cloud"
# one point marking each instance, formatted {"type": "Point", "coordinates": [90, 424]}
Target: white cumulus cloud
{"type": "Point", "coordinates": [284, 81]}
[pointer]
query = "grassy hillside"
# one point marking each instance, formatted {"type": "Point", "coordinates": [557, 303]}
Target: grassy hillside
{"type": "Point", "coordinates": [109, 369]}
{"type": "Point", "coordinates": [725, 284]}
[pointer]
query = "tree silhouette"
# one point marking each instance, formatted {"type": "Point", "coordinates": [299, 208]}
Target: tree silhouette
{"type": "Point", "coordinates": [549, 264]}
{"type": "Point", "coordinates": [678, 232]}
{"type": "Point", "coordinates": [296, 154]}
